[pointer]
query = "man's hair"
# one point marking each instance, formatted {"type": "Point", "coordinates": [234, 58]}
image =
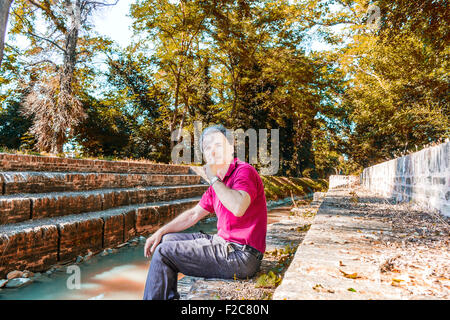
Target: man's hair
{"type": "Point", "coordinates": [216, 128]}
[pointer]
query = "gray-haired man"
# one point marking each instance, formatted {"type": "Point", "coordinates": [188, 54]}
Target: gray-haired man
{"type": "Point", "coordinates": [236, 195]}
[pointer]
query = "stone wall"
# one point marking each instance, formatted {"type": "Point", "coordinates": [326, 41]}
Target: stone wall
{"type": "Point", "coordinates": [39, 182]}
{"type": "Point", "coordinates": [36, 245]}
{"type": "Point", "coordinates": [20, 162]}
{"type": "Point", "coordinates": [53, 210]}
{"type": "Point", "coordinates": [422, 177]}
{"type": "Point", "coordinates": [341, 181]}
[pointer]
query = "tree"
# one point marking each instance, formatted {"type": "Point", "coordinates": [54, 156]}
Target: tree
{"type": "Point", "coordinates": [13, 126]}
{"type": "Point", "coordinates": [174, 30]}
{"type": "Point", "coordinates": [54, 56]}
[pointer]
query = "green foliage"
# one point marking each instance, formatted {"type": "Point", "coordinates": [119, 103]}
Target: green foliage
{"type": "Point", "coordinates": [14, 127]}
{"type": "Point", "coordinates": [396, 96]}
{"type": "Point", "coordinates": [277, 188]}
{"type": "Point", "coordinates": [377, 93]}
{"type": "Point", "coordinates": [273, 277]}
{"type": "Point", "coordinates": [268, 280]}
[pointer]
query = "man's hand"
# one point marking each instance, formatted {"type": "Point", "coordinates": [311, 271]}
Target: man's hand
{"type": "Point", "coordinates": [151, 243]}
{"type": "Point", "coordinates": [210, 170]}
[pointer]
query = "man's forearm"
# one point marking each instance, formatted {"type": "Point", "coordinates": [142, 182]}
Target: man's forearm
{"type": "Point", "coordinates": [230, 198]}
{"type": "Point", "coordinates": [181, 222]}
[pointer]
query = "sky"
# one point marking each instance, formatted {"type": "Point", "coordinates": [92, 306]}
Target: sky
{"type": "Point", "coordinates": [114, 23]}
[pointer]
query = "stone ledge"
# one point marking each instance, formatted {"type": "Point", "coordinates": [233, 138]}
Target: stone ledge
{"type": "Point", "coordinates": [39, 182]}
{"type": "Point", "coordinates": [335, 243]}
{"type": "Point", "coordinates": [19, 162]}
{"type": "Point", "coordinates": [36, 245]}
{"type": "Point", "coordinates": [17, 208]}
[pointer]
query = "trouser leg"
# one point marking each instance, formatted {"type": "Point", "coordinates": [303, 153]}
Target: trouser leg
{"type": "Point", "coordinates": [161, 280]}
{"type": "Point", "coordinates": [205, 256]}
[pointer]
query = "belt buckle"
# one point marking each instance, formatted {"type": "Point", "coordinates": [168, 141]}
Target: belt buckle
{"type": "Point", "coordinates": [229, 249]}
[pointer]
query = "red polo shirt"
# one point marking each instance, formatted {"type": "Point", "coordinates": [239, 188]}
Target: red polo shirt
{"type": "Point", "coordinates": [250, 228]}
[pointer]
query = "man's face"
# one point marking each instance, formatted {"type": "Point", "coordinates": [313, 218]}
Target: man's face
{"type": "Point", "coordinates": [216, 148]}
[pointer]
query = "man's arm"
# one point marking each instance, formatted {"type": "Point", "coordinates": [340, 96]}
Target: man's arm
{"type": "Point", "coordinates": [183, 221]}
{"type": "Point", "coordinates": [236, 201]}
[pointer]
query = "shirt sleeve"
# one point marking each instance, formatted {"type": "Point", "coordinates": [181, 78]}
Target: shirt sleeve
{"type": "Point", "coordinates": [206, 202]}
{"type": "Point", "coordinates": [245, 180]}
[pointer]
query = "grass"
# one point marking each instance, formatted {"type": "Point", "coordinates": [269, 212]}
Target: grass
{"type": "Point", "coordinates": [277, 188]}
{"type": "Point", "coordinates": [14, 151]}
{"type": "Point", "coordinates": [273, 277]}
{"type": "Point", "coordinates": [75, 156]}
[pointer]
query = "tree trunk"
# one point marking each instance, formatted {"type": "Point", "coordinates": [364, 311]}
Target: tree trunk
{"type": "Point", "coordinates": [175, 113]}
{"type": "Point", "coordinates": [64, 104]}
{"type": "Point", "coordinates": [4, 13]}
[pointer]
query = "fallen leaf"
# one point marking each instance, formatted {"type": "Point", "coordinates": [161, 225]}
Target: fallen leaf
{"type": "Point", "coordinates": [395, 284]}
{"type": "Point", "coordinates": [320, 288]}
{"type": "Point", "coordinates": [317, 287]}
{"type": "Point", "coordinates": [350, 275]}
{"type": "Point", "coordinates": [351, 289]}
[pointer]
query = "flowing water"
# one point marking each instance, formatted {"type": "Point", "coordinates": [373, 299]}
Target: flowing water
{"type": "Point", "coordinates": [119, 275]}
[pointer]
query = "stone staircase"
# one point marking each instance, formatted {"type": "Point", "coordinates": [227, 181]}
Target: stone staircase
{"type": "Point", "coordinates": [54, 209]}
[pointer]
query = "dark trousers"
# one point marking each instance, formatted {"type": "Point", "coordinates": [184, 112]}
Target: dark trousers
{"type": "Point", "coordinates": [195, 254]}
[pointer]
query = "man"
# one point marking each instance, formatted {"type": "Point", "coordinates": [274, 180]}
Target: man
{"type": "Point", "coordinates": [236, 195]}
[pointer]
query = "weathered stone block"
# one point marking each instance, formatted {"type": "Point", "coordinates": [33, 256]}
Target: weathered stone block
{"type": "Point", "coordinates": [15, 162]}
{"type": "Point", "coordinates": [14, 210]}
{"type": "Point", "coordinates": [77, 237]}
{"type": "Point", "coordinates": [27, 247]}
{"type": "Point", "coordinates": [114, 199]}
{"type": "Point", "coordinates": [65, 204]}
{"type": "Point", "coordinates": [148, 219]}
{"type": "Point", "coordinates": [40, 182]}
{"type": "Point", "coordinates": [113, 233]}
{"type": "Point", "coordinates": [129, 224]}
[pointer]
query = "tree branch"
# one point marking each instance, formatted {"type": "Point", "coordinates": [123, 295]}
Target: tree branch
{"type": "Point", "coordinates": [60, 26]}
{"type": "Point", "coordinates": [48, 40]}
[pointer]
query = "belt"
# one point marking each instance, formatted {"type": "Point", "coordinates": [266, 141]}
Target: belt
{"type": "Point", "coordinates": [247, 248]}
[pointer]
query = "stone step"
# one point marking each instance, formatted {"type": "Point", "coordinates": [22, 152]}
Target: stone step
{"type": "Point", "coordinates": [12, 182]}
{"type": "Point", "coordinates": [22, 207]}
{"type": "Point", "coordinates": [20, 162]}
{"type": "Point", "coordinates": [36, 245]}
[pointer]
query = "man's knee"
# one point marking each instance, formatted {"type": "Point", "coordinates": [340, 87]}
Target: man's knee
{"type": "Point", "coordinates": [166, 237]}
{"type": "Point", "coordinates": [169, 237]}
{"type": "Point", "coordinates": [163, 249]}
{"type": "Point", "coordinates": [164, 253]}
